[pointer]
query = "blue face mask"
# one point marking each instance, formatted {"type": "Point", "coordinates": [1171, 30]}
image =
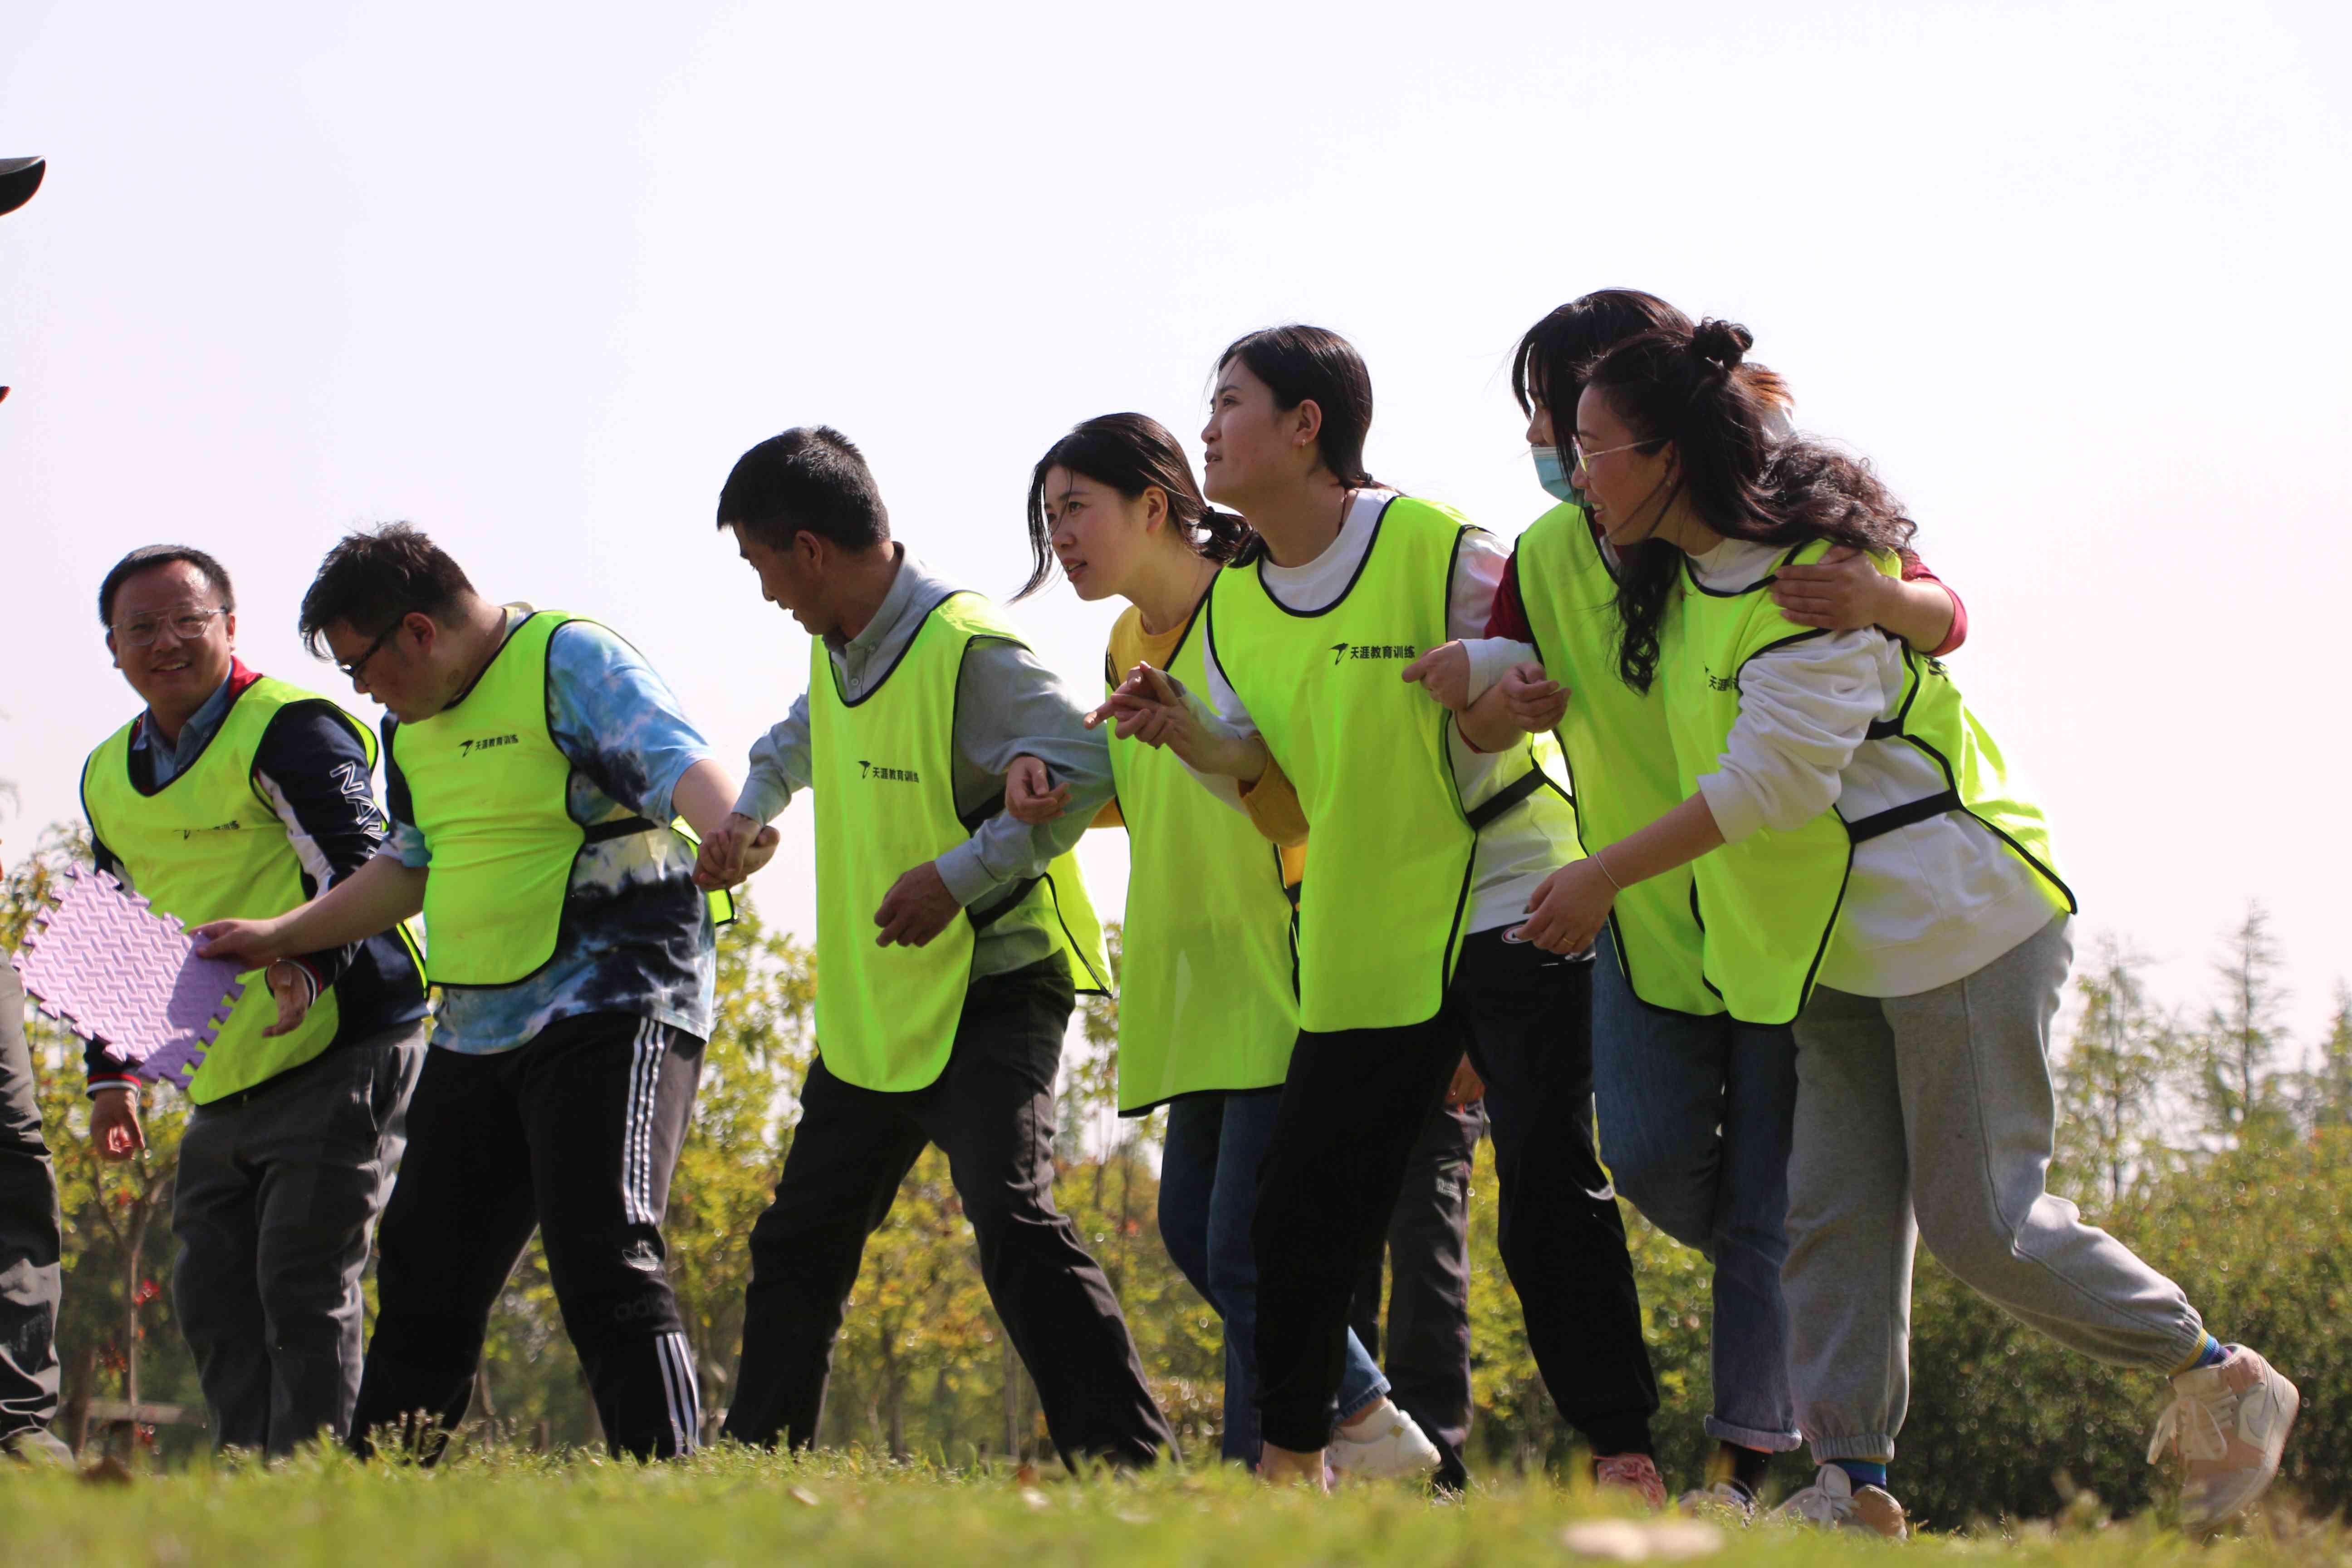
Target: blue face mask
{"type": "Point", "coordinates": [1552, 473]}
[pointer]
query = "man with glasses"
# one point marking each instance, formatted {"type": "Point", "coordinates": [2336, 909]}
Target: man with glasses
{"type": "Point", "coordinates": [536, 768]}
{"type": "Point", "coordinates": [234, 795]}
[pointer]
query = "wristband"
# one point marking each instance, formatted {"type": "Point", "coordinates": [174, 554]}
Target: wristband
{"type": "Point", "coordinates": [1596, 860]}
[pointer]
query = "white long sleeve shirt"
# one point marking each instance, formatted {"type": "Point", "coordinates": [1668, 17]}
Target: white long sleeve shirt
{"type": "Point", "coordinates": [1926, 904]}
{"type": "Point", "coordinates": [1522, 847]}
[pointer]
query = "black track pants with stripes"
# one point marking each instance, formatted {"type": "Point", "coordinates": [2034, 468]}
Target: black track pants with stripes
{"type": "Point", "coordinates": [574, 1133]}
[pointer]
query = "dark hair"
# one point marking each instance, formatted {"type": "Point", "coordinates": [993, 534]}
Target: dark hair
{"type": "Point", "coordinates": [146, 558]}
{"type": "Point", "coordinates": [1131, 453]}
{"type": "Point", "coordinates": [812, 479]}
{"type": "Point", "coordinates": [1548, 367]}
{"type": "Point", "coordinates": [1299, 363]}
{"type": "Point", "coordinates": [1687, 387]}
{"type": "Point", "coordinates": [373, 578]}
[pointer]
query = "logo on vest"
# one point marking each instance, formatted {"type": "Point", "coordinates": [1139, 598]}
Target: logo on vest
{"type": "Point", "coordinates": [866, 770]}
{"type": "Point", "coordinates": [231, 826]}
{"type": "Point", "coordinates": [1722, 683]}
{"type": "Point", "coordinates": [467, 748]}
{"type": "Point", "coordinates": [1343, 651]}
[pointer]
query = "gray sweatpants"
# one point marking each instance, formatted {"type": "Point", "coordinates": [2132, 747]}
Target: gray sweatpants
{"type": "Point", "coordinates": [278, 1192]}
{"type": "Point", "coordinates": [1929, 1118]}
{"type": "Point", "coordinates": [29, 1233]}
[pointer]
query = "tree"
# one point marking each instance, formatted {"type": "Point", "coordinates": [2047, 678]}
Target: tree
{"type": "Point", "coordinates": [2329, 1091]}
{"type": "Point", "coordinates": [2243, 1036]}
{"type": "Point", "coordinates": [2111, 1082]}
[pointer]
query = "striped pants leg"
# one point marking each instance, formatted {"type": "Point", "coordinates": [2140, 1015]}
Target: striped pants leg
{"type": "Point", "coordinates": [576, 1132]}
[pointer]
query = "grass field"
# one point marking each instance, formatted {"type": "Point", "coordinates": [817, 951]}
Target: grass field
{"type": "Point", "coordinates": [733, 1508]}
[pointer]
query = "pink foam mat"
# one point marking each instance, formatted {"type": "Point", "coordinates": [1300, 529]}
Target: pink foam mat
{"type": "Point", "coordinates": [127, 976]}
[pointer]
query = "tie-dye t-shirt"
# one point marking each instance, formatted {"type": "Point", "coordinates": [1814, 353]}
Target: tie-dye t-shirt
{"type": "Point", "coordinates": [637, 931]}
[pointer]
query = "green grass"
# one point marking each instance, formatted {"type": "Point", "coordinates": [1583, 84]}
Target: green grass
{"type": "Point", "coordinates": [737, 1507]}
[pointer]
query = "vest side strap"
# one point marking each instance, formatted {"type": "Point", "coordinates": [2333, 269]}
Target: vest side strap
{"type": "Point", "coordinates": [1511, 794]}
{"type": "Point", "coordinates": [1885, 822]}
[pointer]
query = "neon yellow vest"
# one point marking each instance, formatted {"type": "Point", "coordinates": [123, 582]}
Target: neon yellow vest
{"type": "Point", "coordinates": [1620, 760]}
{"type": "Point", "coordinates": [884, 773]}
{"type": "Point", "coordinates": [207, 846]}
{"type": "Point", "coordinates": [1769, 904]}
{"type": "Point", "coordinates": [1389, 848]}
{"type": "Point", "coordinates": [491, 793]}
{"type": "Point", "coordinates": [1207, 997]}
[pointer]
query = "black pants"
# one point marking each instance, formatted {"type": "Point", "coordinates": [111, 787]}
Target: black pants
{"type": "Point", "coordinates": [1426, 1353]}
{"type": "Point", "coordinates": [575, 1134]}
{"type": "Point", "coordinates": [1563, 1240]}
{"type": "Point", "coordinates": [993, 1111]}
{"type": "Point", "coordinates": [29, 1277]}
{"type": "Point", "coordinates": [1352, 1109]}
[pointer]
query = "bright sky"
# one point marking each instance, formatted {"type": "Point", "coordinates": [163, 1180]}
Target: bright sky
{"type": "Point", "coordinates": [532, 276]}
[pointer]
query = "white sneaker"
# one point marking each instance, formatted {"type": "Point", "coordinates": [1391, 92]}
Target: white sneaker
{"type": "Point", "coordinates": [1389, 1447]}
{"type": "Point", "coordinates": [2228, 1422]}
{"type": "Point", "coordinates": [1831, 1500]}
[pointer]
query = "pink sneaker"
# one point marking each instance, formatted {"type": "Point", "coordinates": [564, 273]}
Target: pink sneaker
{"type": "Point", "coordinates": [2228, 1424]}
{"type": "Point", "coordinates": [1635, 1473]}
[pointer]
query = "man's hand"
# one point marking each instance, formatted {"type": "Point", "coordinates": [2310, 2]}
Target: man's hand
{"type": "Point", "coordinates": [740, 847]}
{"type": "Point", "coordinates": [1027, 794]}
{"type": "Point", "coordinates": [1444, 673]}
{"type": "Point", "coordinates": [1149, 706]}
{"type": "Point", "coordinates": [1468, 1088]}
{"type": "Point", "coordinates": [1535, 703]}
{"type": "Point", "coordinates": [1843, 591]}
{"type": "Point", "coordinates": [114, 1130]}
{"type": "Point", "coordinates": [1569, 907]}
{"type": "Point", "coordinates": [917, 907]}
{"type": "Point", "coordinates": [290, 988]}
{"type": "Point", "coordinates": [254, 942]}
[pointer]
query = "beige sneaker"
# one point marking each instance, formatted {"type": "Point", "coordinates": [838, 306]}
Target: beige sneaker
{"type": "Point", "coordinates": [2228, 1423]}
{"type": "Point", "coordinates": [1396, 1448]}
{"type": "Point", "coordinates": [1726, 1502]}
{"type": "Point", "coordinates": [1831, 1500]}
{"type": "Point", "coordinates": [1635, 1473]}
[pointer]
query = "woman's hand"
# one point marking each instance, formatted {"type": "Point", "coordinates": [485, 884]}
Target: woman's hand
{"type": "Point", "coordinates": [1843, 591]}
{"type": "Point", "coordinates": [1027, 796]}
{"type": "Point", "coordinates": [1534, 702]}
{"type": "Point", "coordinates": [1569, 907]}
{"type": "Point", "coordinates": [1149, 706]}
{"type": "Point", "coordinates": [1444, 673]}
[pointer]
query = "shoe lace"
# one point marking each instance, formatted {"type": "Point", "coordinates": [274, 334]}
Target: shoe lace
{"type": "Point", "coordinates": [2199, 1429]}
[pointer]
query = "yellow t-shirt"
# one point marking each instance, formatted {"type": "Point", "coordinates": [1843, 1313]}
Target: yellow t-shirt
{"type": "Point", "coordinates": [1272, 803]}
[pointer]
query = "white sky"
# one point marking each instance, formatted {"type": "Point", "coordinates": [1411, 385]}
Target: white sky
{"type": "Point", "coordinates": [532, 276]}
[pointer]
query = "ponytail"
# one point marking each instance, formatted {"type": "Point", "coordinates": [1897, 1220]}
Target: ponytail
{"type": "Point", "coordinates": [1132, 453]}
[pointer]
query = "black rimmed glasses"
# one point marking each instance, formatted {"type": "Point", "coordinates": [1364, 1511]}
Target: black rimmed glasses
{"type": "Point", "coordinates": [351, 670]}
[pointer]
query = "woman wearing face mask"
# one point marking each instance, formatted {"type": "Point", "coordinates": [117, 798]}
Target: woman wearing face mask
{"type": "Point", "coordinates": [1694, 1105]}
{"type": "Point", "coordinates": [1421, 854]}
{"type": "Point", "coordinates": [1863, 865]}
{"type": "Point", "coordinates": [1207, 1014]}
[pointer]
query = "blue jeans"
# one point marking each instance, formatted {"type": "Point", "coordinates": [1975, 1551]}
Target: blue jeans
{"type": "Point", "coordinates": [1208, 1192]}
{"type": "Point", "coordinates": [1696, 1117]}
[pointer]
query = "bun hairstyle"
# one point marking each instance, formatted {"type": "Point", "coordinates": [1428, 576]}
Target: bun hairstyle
{"type": "Point", "coordinates": [1299, 363]}
{"type": "Point", "coordinates": [1131, 453]}
{"type": "Point", "coordinates": [1692, 388]}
